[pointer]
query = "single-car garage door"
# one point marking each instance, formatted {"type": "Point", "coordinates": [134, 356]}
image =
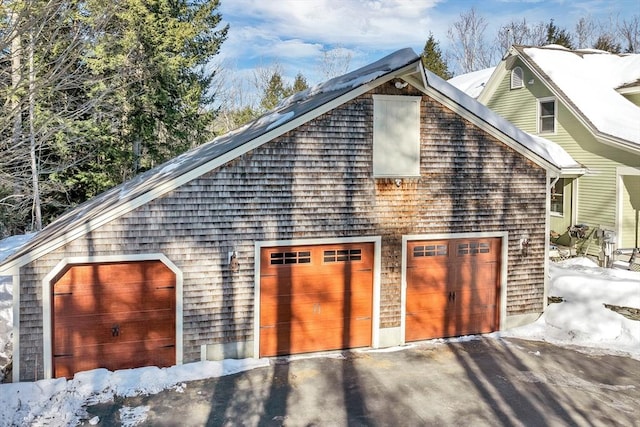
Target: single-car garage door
{"type": "Point", "coordinates": [452, 287]}
{"type": "Point", "coordinates": [113, 315]}
{"type": "Point", "coordinates": [315, 298]}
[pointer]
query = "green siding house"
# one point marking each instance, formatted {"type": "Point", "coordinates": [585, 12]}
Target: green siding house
{"type": "Point", "coordinates": [587, 101]}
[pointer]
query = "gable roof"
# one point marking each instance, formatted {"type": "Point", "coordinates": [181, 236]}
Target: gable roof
{"type": "Point", "coordinates": [289, 114]}
{"type": "Point", "coordinates": [590, 83]}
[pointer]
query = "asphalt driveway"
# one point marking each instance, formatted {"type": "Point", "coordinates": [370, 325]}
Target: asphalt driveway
{"type": "Point", "coordinates": [484, 382]}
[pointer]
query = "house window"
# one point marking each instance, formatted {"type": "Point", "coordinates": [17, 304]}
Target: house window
{"type": "Point", "coordinates": [517, 78]}
{"type": "Point", "coordinates": [547, 116]}
{"type": "Point", "coordinates": [557, 197]}
{"type": "Point", "coordinates": [396, 136]}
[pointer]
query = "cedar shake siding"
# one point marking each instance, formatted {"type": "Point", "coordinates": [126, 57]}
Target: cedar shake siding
{"type": "Point", "coordinates": [316, 182]}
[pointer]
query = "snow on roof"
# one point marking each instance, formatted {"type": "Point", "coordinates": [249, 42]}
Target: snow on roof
{"type": "Point", "coordinates": [546, 149]}
{"type": "Point", "coordinates": [472, 83]}
{"type": "Point", "coordinates": [11, 244]}
{"type": "Point", "coordinates": [590, 79]}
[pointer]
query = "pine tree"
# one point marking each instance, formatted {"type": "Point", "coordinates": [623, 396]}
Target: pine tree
{"type": "Point", "coordinates": [607, 43]}
{"type": "Point", "coordinates": [432, 59]}
{"type": "Point", "coordinates": [558, 36]}
{"type": "Point", "coordinates": [274, 92]}
{"type": "Point", "coordinates": [299, 84]}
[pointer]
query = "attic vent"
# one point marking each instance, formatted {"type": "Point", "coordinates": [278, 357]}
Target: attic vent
{"type": "Point", "coordinates": [517, 79]}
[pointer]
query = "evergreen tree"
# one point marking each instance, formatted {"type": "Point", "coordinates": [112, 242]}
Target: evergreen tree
{"type": "Point", "coordinates": [93, 92]}
{"type": "Point", "coordinates": [299, 84]}
{"type": "Point", "coordinates": [558, 36]}
{"type": "Point", "coordinates": [432, 59]}
{"type": "Point", "coordinates": [274, 92]}
{"type": "Point", "coordinates": [607, 43]}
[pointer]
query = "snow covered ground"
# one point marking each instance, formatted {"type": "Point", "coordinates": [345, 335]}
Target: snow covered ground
{"type": "Point", "coordinates": [580, 321]}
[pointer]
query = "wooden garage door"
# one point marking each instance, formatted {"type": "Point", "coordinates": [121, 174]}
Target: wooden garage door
{"type": "Point", "coordinates": [452, 287]}
{"type": "Point", "coordinates": [114, 316]}
{"type": "Point", "coordinates": [315, 298]}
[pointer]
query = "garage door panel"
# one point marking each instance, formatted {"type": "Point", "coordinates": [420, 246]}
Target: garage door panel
{"type": "Point", "coordinates": [74, 343]}
{"type": "Point", "coordinates": [319, 311]}
{"type": "Point", "coordinates": [113, 357]}
{"type": "Point", "coordinates": [467, 273]}
{"type": "Point", "coordinates": [290, 338]}
{"type": "Point", "coordinates": [321, 295]}
{"type": "Point", "coordinates": [427, 300]}
{"type": "Point", "coordinates": [75, 303]}
{"type": "Point", "coordinates": [316, 283]}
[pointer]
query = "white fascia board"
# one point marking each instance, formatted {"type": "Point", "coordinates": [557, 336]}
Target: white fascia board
{"type": "Point", "coordinates": [492, 84]}
{"type": "Point", "coordinates": [170, 185]}
{"type": "Point", "coordinates": [621, 144]}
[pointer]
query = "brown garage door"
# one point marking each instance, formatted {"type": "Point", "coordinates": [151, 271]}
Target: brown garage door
{"type": "Point", "coordinates": [315, 298]}
{"type": "Point", "coordinates": [452, 287]}
{"type": "Point", "coordinates": [114, 316]}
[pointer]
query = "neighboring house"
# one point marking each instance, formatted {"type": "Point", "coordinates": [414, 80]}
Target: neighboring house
{"type": "Point", "coordinates": [381, 207]}
{"type": "Point", "coordinates": [588, 102]}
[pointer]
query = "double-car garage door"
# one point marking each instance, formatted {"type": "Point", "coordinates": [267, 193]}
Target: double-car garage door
{"type": "Point", "coordinates": [452, 287]}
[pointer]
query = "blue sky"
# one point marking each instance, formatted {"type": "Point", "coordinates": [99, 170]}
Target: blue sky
{"type": "Point", "coordinates": [294, 33]}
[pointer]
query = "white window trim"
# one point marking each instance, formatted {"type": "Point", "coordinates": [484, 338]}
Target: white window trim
{"type": "Point", "coordinates": [504, 235]}
{"type": "Point", "coordinates": [621, 172]}
{"type": "Point", "coordinates": [521, 76]}
{"type": "Point", "coordinates": [47, 348]}
{"type": "Point", "coordinates": [556, 213]}
{"type": "Point", "coordinates": [377, 262]}
{"type": "Point", "coordinates": [555, 115]}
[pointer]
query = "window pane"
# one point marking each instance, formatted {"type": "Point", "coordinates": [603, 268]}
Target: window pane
{"type": "Point", "coordinates": [547, 108]}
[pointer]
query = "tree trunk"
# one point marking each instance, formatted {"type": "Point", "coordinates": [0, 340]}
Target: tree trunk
{"type": "Point", "coordinates": [33, 148]}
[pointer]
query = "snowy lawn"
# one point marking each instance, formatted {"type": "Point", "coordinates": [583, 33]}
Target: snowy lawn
{"type": "Point", "coordinates": [581, 320]}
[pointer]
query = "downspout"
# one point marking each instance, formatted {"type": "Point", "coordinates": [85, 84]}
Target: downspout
{"type": "Point", "coordinates": [547, 233]}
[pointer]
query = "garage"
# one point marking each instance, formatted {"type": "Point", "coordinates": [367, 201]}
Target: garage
{"type": "Point", "coordinates": [453, 287]}
{"type": "Point", "coordinates": [116, 315]}
{"type": "Point", "coordinates": [315, 298]}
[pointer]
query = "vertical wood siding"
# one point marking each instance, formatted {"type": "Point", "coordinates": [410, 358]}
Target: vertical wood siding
{"type": "Point", "coordinates": [316, 182]}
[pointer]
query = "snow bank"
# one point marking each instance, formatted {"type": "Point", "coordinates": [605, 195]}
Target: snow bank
{"type": "Point", "coordinates": [61, 402]}
{"type": "Point", "coordinates": [582, 318]}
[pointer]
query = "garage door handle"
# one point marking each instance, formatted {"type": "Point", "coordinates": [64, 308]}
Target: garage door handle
{"type": "Point", "coordinates": [115, 330]}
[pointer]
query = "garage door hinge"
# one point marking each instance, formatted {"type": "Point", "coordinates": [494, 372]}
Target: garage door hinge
{"type": "Point", "coordinates": [63, 355]}
{"type": "Point", "coordinates": [166, 287]}
{"type": "Point", "coordinates": [168, 346]}
{"type": "Point", "coordinates": [58, 294]}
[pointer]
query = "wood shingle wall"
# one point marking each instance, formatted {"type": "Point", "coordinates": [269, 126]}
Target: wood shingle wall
{"type": "Point", "coordinates": [316, 182]}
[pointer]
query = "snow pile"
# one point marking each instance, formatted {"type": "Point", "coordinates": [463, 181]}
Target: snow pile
{"type": "Point", "coordinates": [61, 402]}
{"type": "Point", "coordinates": [582, 319]}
